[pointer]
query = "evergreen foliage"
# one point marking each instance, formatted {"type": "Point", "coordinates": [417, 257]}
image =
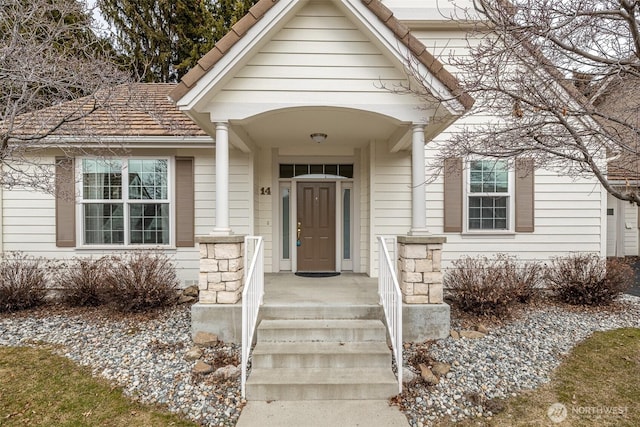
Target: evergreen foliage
{"type": "Point", "coordinates": [165, 38]}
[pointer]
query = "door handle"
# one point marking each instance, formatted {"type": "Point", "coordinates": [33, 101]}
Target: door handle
{"type": "Point", "coordinates": [299, 230]}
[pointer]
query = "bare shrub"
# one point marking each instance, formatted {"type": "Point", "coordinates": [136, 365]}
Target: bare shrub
{"type": "Point", "coordinates": [588, 279]}
{"type": "Point", "coordinates": [523, 280]}
{"type": "Point", "coordinates": [23, 281]}
{"type": "Point", "coordinates": [141, 280]}
{"type": "Point", "coordinates": [484, 286]}
{"type": "Point", "coordinates": [82, 282]}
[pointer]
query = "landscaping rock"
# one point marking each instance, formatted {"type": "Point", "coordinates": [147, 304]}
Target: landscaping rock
{"type": "Point", "coordinates": [205, 339]}
{"type": "Point", "coordinates": [440, 368]}
{"type": "Point", "coordinates": [408, 375]}
{"type": "Point", "coordinates": [471, 334]}
{"type": "Point", "coordinates": [482, 328]}
{"type": "Point", "coordinates": [191, 291]}
{"type": "Point", "coordinates": [202, 368]}
{"type": "Point", "coordinates": [194, 353]}
{"type": "Point", "coordinates": [226, 372]}
{"type": "Point", "coordinates": [427, 375]}
{"type": "Point", "coordinates": [184, 299]}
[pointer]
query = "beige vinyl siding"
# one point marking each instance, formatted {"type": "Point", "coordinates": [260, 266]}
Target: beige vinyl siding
{"type": "Point", "coordinates": [567, 213]}
{"type": "Point", "coordinates": [240, 185]}
{"type": "Point", "coordinates": [390, 196]}
{"type": "Point", "coordinates": [265, 219]}
{"type": "Point", "coordinates": [318, 57]}
{"type": "Point", "coordinates": [630, 230]}
{"type": "Point", "coordinates": [567, 219]}
{"type": "Point", "coordinates": [365, 208]}
{"type": "Point", "coordinates": [205, 191]}
{"type": "Point", "coordinates": [29, 217]}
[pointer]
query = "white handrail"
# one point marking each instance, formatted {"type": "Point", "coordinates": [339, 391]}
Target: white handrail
{"type": "Point", "coordinates": [252, 296]}
{"type": "Point", "coordinates": [391, 299]}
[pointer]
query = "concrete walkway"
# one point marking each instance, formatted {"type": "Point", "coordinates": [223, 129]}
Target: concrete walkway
{"type": "Point", "coordinates": [321, 413]}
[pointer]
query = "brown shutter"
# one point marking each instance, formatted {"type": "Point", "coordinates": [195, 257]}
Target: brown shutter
{"type": "Point", "coordinates": [185, 209]}
{"type": "Point", "coordinates": [524, 193]}
{"type": "Point", "coordinates": [453, 191]}
{"type": "Point", "coordinates": [65, 203]}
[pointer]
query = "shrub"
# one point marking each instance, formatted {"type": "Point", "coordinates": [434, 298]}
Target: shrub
{"type": "Point", "coordinates": [23, 281]}
{"type": "Point", "coordinates": [82, 282]}
{"type": "Point", "coordinates": [140, 281]}
{"type": "Point", "coordinates": [523, 280]}
{"type": "Point", "coordinates": [587, 279]}
{"type": "Point", "coordinates": [486, 286]}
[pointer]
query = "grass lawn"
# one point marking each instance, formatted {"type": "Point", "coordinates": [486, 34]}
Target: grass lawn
{"type": "Point", "coordinates": [598, 384]}
{"type": "Point", "coordinates": [39, 388]}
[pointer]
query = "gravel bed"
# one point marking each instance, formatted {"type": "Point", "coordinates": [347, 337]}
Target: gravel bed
{"type": "Point", "coordinates": [520, 355]}
{"type": "Point", "coordinates": [146, 358]}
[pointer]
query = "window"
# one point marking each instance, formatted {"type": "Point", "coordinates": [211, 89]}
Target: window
{"type": "Point", "coordinates": [125, 202]}
{"type": "Point", "coordinates": [488, 195]}
{"type": "Point", "coordinates": [291, 171]}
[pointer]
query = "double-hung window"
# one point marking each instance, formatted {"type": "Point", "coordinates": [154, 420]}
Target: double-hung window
{"type": "Point", "coordinates": [125, 201]}
{"type": "Point", "coordinates": [488, 195]}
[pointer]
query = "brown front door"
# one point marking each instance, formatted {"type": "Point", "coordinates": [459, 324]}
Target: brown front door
{"type": "Point", "coordinates": [317, 226]}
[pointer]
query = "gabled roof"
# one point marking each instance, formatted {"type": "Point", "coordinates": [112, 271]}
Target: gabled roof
{"type": "Point", "coordinates": [619, 98]}
{"type": "Point", "coordinates": [125, 111]}
{"type": "Point", "coordinates": [383, 13]}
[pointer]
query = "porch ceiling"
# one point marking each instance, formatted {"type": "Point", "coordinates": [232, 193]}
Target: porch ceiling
{"type": "Point", "coordinates": [343, 126]}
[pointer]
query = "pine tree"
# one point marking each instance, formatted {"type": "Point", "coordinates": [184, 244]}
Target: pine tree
{"type": "Point", "coordinates": [165, 38]}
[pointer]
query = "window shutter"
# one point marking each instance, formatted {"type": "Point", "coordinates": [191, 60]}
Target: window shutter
{"type": "Point", "coordinates": [524, 193]}
{"type": "Point", "coordinates": [65, 203]}
{"type": "Point", "coordinates": [185, 207]}
{"type": "Point", "coordinates": [453, 192]}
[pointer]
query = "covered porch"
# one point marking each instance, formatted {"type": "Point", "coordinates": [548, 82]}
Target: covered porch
{"type": "Point", "coordinates": [345, 296]}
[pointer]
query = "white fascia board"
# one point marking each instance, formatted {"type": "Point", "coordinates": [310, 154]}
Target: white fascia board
{"type": "Point", "coordinates": [256, 35]}
{"type": "Point", "coordinates": [239, 111]}
{"type": "Point", "coordinates": [401, 53]}
{"type": "Point", "coordinates": [438, 14]}
{"type": "Point", "coordinates": [109, 142]}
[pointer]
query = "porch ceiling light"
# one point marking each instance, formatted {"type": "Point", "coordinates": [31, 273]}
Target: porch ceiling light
{"type": "Point", "coordinates": [318, 137]}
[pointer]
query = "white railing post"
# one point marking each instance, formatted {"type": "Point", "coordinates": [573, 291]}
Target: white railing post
{"type": "Point", "coordinates": [252, 297]}
{"type": "Point", "coordinates": [391, 299]}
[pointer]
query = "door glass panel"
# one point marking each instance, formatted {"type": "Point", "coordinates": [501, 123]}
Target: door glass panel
{"type": "Point", "coordinates": [286, 171]}
{"type": "Point", "coordinates": [286, 242]}
{"type": "Point", "coordinates": [331, 169]}
{"type": "Point", "coordinates": [291, 171]}
{"type": "Point", "coordinates": [317, 169]}
{"type": "Point", "coordinates": [346, 223]}
{"type": "Point", "coordinates": [346, 171]}
{"type": "Point", "coordinates": [301, 170]}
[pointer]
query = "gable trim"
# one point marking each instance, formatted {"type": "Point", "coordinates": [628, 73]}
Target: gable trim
{"type": "Point", "coordinates": [401, 32]}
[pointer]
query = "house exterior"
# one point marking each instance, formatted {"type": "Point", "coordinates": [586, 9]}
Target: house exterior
{"type": "Point", "coordinates": [619, 95]}
{"type": "Point", "coordinates": [300, 112]}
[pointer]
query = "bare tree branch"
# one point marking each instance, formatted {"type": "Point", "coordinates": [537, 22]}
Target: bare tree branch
{"type": "Point", "coordinates": [50, 60]}
{"type": "Point", "coordinates": [561, 78]}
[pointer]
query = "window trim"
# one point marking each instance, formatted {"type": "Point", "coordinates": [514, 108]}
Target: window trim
{"type": "Point", "coordinates": [126, 201]}
{"type": "Point", "coordinates": [510, 194]}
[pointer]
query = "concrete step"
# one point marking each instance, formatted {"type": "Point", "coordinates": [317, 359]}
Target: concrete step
{"type": "Point", "coordinates": [303, 330]}
{"type": "Point", "coordinates": [321, 355]}
{"type": "Point", "coordinates": [321, 384]}
{"type": "Point", "coordinates": [312, 311]}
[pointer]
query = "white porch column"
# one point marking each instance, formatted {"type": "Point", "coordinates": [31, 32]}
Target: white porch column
{"type": "Point", "coordinates": [418, 178]}
{"type": "Point", "coordinates": [222, 180]}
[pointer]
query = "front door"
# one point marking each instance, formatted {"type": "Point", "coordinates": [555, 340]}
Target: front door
{"type": "Point", "coordinates": [316, 226]}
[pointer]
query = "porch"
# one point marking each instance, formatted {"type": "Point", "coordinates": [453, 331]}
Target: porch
{"type": "Point", "coordinates": [346, 296]}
